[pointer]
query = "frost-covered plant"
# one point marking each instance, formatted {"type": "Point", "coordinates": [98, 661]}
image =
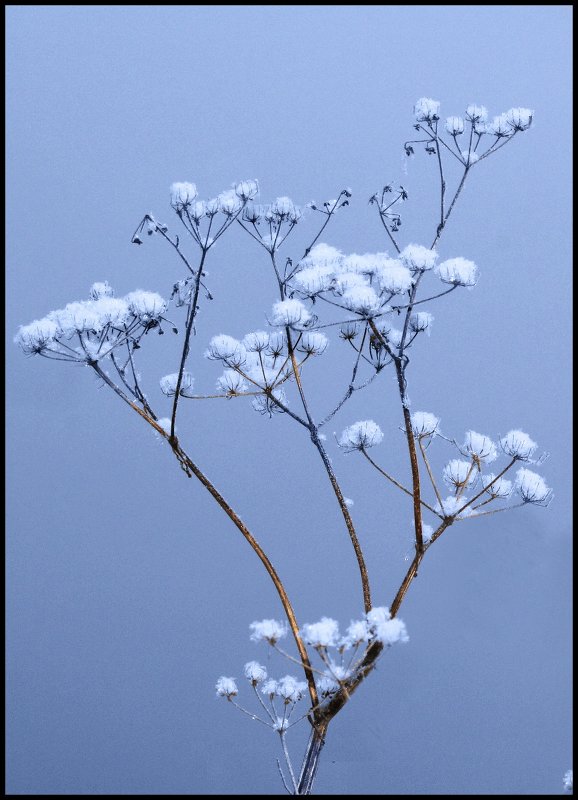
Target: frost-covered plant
{"type": "Point", "coordinates": [319, 292]}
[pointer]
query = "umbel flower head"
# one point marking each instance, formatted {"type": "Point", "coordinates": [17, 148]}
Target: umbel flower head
{"type": "Point", "coordinates": [532, 488]}
{"type": "Point", "coordinates": [268, 630]}
{"type": "Point", "coordinates": [518, 445]}
{"type": "Point", "coordinates": [360, 436]}
{"type": "Point", "coordinates": [182, 195]}
{"type": "Point", "coordinates": [169, 384]}
{"type": "Point", "coordinates": [426, 110]}
{"type": "Point", "coordinates": [424, 424]}
{"type": "Point", "coordinates": [226, 687]}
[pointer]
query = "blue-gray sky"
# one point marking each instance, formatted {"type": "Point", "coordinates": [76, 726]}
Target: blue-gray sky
{"type": "Point", "coordinates": [129, 592]}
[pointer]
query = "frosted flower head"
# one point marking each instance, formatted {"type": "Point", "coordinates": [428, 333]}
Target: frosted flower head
{"type": "Point", "coordinates": [532, 488]}
{"type": "Point", "coordinates": [291, 313]}
{"type": "Point", "coordinates": [268, 630]}
{"type": "Point", "coordinates": [418, 258]}
{"type": "Point", "coordinates": [394, 278]}
{"type": "Point", "coordinates": [112, 311]}
{"type": "Point", "coordinates": [452, 505]}
{"type": "Point", "coordinates": [247, 190]}
{"type": "Point", "coordinates": [226, 687]}
{"type": "Point", "coordinates": [421, 321]}
{"type": "Point", "coordinates": [498, 489]}
{"type": "Point", "coordinates": [255, 673]}
{"type": "Point", "coordinates": [518, 445]}
{"type": "Point", "coordinates": [348, 280]}
{"type": "Point", "coordinates": [313, 343]}
{"type": "Point", "coordinates": [454, 126]}
{"type": "Point", "coordinates": [424, 424]}
{"type": "Point", "coordinates": [169, 384]}
{"type": "Point", "coordinates": [362, 300]}
{"type": "Point", "coordinates": [102, 289]}
{"type": "Point", "coordinates": [476, 113]}
{"type": "Point", "coordinates": [568, 781]}
{"type": "Point", "coordinates": [426, 110]}
{"type": "Point", "coordinates": [356, 633]}
{"type": "Point", "coordinates": [232, 383]}
{"type": "Point", "coordinates": [256, 341]}
{"type": "Point", "coordinates": [458, 474]}
{"type": "Point", "coordinates": [269, 688]}
{"type": "Point", "coordinates": [324, 633]}
{"type": "Point", "coordinates": [284, 209]}
{"type": "Point", "coordinates": [36, 336]}
{"type": "Point", "coordinates": [182, 195]}
{"type": "Point", "coordinates": [277, 343]}
{"type": "Point", "coordinates": [226, 348]}
{"type": "Point", "coordinates": [290, 689]}
{"type": "Point", "coordinates": [481, 448]}
{"type": "Point", "coordinates": [229, 203]}
{"type": "Point", "coordinates": [323, 255]}
{"type": "Point", "coordinates": [519, 119]}
{"type": "Point", "coordinates": [147, 306]}
{"type": "Point", "coordinates": [271, 403]}
{"type": "Point", "coordinates": [360, 436]}
{"type": "Point", "coordinates": [500, 126]}
{"type": "Point", "coordinates": [383, 628]}
{"type": "Point", "coordinates": [313, 280]}
{"type": "Point", "coordinates": [458, 272]}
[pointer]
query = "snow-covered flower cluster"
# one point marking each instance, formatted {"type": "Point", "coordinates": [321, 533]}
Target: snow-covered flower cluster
{"type": "Point", "coordinates": [360, 436]}
{"type": "Point", "coordinates": [89, 330]}
{"type": "Point", "coordinates": [424, 424]}
{"type": "Point", "coordinates": [568, 783]}
{"type": "Point", "coordinates": [458, 272]}
{"type": "Point", "coordinates": [505, 125]}
{"type": "Point", "coordinates": [518, 445]}
{"type": "Point", "coordinates": [169, 383]}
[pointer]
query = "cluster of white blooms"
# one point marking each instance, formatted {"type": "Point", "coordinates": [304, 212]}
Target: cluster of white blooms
{"type": "Point", "coordinates": [268, 630]}
{"type": "Point", "coordinates": [479, 447]}
{"type": "Point", "coordinates": [568, 783]}
{"type": "Point", "coordinates": [458, 271]}
{"type": "Point", "coordinates": [291, 313]}
{"type": "Point", "coordinates": [418, 258]}
{"type": "Point", "coordinates": [459, 474]}
{"type": "Point", "coordinates": [324, 633]}
{"type": "Point", "coordinates": [421, 321]}
{"type": "Point", "coordinates": [182, 195]}
{"type": "Point", "coordinates": [313, 343]}
{"type": "Point", "coordinates": [168, 384]}
{"type": "Point", "coordinates": [504, 125]}
{"type": "Point", "coordinates": [454, 125]}
{"type": "Point", "coordinates": [498, 488]}
{"type": "Point", "coordinates": [424, 424]}
{"type": "Point", "coordinates": [99, 325]}
{"type": "Point", "coordinates": [532, 488]}
{"type": "Point", "coordinates": [360, 436]}
{"type": "Point", "coordinates": [226, 687]}
{"type": "Point", "coordinates": [426, 110]}
{"type": "Point", "coordinates": [518, 445]}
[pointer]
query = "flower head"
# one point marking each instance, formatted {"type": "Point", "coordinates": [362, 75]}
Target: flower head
{"type": "Point", "coordinates": [182, 195]}
{"type": "Point", "coordinates": [226, 348]}
{"type": "Point", "coordinates": [424, 424]}
{"type": "Point", "coordinates": [324, 633]}
{"type": "Point", "coordinates": [147, 306]}
{"type": "Point", "coordinates": [36, 336]}
{"type": "Point", "coordinates": [255, 673]}
{"type": "Point", "coordinates": [169, 384]}
{"type": "Point", "coordinates": [519, 119]}
{"type": "Point", "coordinates": [518, 445]}
{"type": "Point", "coordinates": [290, 689]}
{"type": "Point", "coordinates": [226, 687]}
{"type": "Point", "coordinates": [418, 258]}
{"type": "Point", "coordinates": [568, 781]}
{"type": "Point", "coordinates": [498, 488]}
{"type": "Point", "coordinates": [313, 343]}
{"type": "Point", "coordinates": [362, 300]}
{"type": "Point", "coordinates": [454, 125]}
{"type": "Point", "coordinates": [476, 113]}
{"type": "Point", "coordinates": [360, 436]}
{"type": "Point", "coordinates": [452, 505]}
{"type": "Point", "coordinates": [247, 190]}
{"type": "Point", "coordinates": [421, 321]}
{"type": "Point", "coordinates": [532, 488]}
{"type": "Point", "coordinates": [232, 383]}
{"type": "Point", "coordinates": [268, 630]}
{"type": "Point", "coordinates": [291, 313]}
{"type": "Point", "coordinates": [458, 272]}
{"type": "Point", "coordinates": [479, 447]}
{"type": "Point", "coordinates": [426, 110]}
{"type": "Point", "coordinates": [458, 474]}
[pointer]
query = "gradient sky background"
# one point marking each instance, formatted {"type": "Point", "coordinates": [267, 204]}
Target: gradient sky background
{"type": "Point", "coordinates": [129, 591]}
